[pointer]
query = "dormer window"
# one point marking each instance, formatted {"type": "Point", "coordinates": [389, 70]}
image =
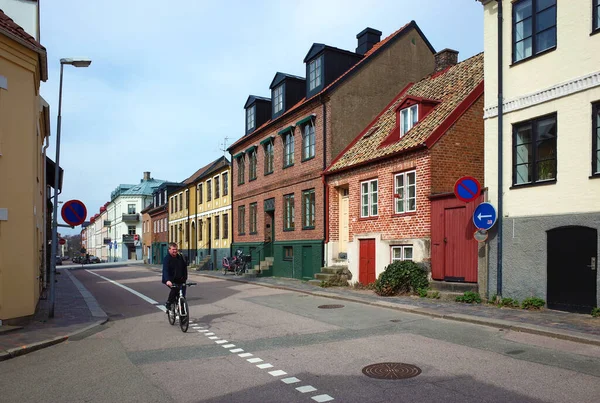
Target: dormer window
{"type": "Point", "coordinates": [278, 99]}
{"type": "Point", "coordinates": [408, 118]}
{"type": "Point", "coordinates": [315, 73]}
{"type": "Point", "coordinates": [250, 118]}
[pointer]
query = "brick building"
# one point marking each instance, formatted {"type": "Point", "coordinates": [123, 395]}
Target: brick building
{"type": "Point", "coordinates": [159, 222]}
{"type": "Point", "coordinates": [279, 209]}
{"type": "Point", "coordinates": [390, 193]}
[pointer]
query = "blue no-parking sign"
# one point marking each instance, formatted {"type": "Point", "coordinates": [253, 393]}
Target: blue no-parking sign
{"type": "Point", "coordinates": [484, 216]}
{"type": "Point", "coordinates": [74, 212]}
{"type": "Point", "coordinates": [467, 188]}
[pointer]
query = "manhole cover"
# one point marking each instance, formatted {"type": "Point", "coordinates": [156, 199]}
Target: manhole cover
{"type": "Point", "coordinates": [391, 370]}
{"type": "Point", "coordinates": [330, 306]}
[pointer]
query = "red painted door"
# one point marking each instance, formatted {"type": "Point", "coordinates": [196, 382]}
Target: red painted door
{"type": "Point", "coordinates": [366, 268]}
{"type": "Point", "coordinates": [456, 243]}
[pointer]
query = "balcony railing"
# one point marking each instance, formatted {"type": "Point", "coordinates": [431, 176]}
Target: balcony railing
{"type": "Point", "coordinates": [131, 217]}
{"type": "Point", "coordinates": [128, 238]}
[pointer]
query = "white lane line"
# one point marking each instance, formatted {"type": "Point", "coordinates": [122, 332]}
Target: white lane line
{"type": "Point", "coordinates": [134, 292]}
{"type": "Point", "coordinates": [213, 337]}
{"type": "Point", "coordinates": [220, 341]}
{"type": "Point", "coordinates": [244, 355]}
{"type": "Point", "coordinates": [199, 331]}
{"type": "Point", "coordinates": [209, 334]}
{"type": "Point", "coordinates": [228, 345]}
{"type": "Point", "coordinates": [237, 350]}
{"type": "Point", "coordinates": [322, 398]}
{"type": "Point", "coordinates": [277, 373]}
{"type": "Point", "coordinates": [203, 331]}
{"type": "Point", "coordinates": [162, 308]}
{"type": "Point", "coordinates": [265, 366]}
{"type": "Point", "coordinates": [254, 360]}
{"type": "Point", "coordinates": [292, 379]}
{"type": "Point", "coordinates": [306, 389]}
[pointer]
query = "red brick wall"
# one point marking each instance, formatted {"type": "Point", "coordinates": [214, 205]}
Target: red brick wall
{"type": "Point", "coordinates": [160, 236]}
{"type": "Point", "coordinates": [390, 225]}
{"type": "Point", "coordinates": [459, 152]}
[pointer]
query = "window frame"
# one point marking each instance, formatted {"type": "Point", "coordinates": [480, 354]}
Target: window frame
{"type": "Point", "coordinates": [131, 208]}
{"type": "Point", "coordinates": [289, 212]}
{"type": "Point", "coordinates": [534, 152]}
{"type": "Point", "coordinates": [241, 170]}
{"type": "Point", "coordinates": [308, 206]}
{"type": "Point", "coordinates": [225, 225]}
{"type": "Point", "coordinates": [403, 249]}
{"type": "Point", "coordinates": [269, 148]}
{"type": "Point", "coordinates": [288, 149]}
{"type": "Point", "coordinates": [251, 118]}
{"type": "Point", "coordinates": [209, 190]}
{"type": "Point", "coordinates": [405, 197]}
{"type": "Point", "coordinates": [241, 220]}
{"type": "Point", "coordinates": [217, 221]}
{"type": "Point", "coordinates": [370, 203]}
{"type": "Point", "coordinates": [278, 99]}
{"type": "Point", "coordinates": [534, 34]}
{"type": "Point", "coordinates": [252, 158]}
{"type": "Point", "coordinates": [252, 217]}
{"type": "Point", "coordinates": [200, 194]}
{"type": "Point", "coordinates": [315, 73]}
{"type": "Point", "coordinates": [413, 112]}
{"type": "Point", "coordinates": [286, 256]}
{"type": "Point", "coordinates": [596, 139]}
{"type": "Point", "coordinates": [217, 183]}
{"type": "Point", "coordinates": [308, 146]}
{"type": "Point", "coordinates": [595, 16]}
{"type": "Point", "coordinates": [225, 183]}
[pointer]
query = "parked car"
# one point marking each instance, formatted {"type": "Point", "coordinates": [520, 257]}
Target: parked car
{"type": "Point", "coordinates": [58, 261]}
{"type": "Point", "coordinates": [95, 259]}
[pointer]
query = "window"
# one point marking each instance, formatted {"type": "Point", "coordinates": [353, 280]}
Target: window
{"type": "Point", "coordinates": [131, 229]}
{"type": "Point", "coordinates": [308, 208]}
{"type": "Point", "coordinates": [200, 224]}
{"type": "Point", "coordinates": [278, 99]}
{"type": "Point", "coordinates": [596, 139]}
{"type": "Point", "coordinates": [596, 15]}
{"type": "Point", "coordinates": [180, 202]}
{"type": "Point", "coordinates": [308, 141]}
{"type": "Point", "coordinates": [225, 183]}
{"type": "Point", "coordinates": [534, 27]}
{"type": "Point", "coordinates": [217, 187]}
{"type": "Point", "coordinates": [288, 253]}
{"type": "Point", "coordinates": [200, 194]}
{"type": "Point", "coordinates": [314, 74]}
{"type": "Point", "coordinates": [268, 157]}
{"type": "Point", "coordinates": [253, 210]}
{"type": "Point", "coordinates": [241, 220]}
{"type": "Point", "coordinates": [241, 173]}
{"type": "Point", "coordinates": [368, 198]}
{"type": "Point", "coordinates": [187, 231]}
{"type": "Point", "coordinates": [288, 212]}
{"type": "Point", "coordinates": [534, 152]}
{"type": "Point", "coordinates": [187, 199]}
{"type": "Point", "coordinates": [408, 118]}
{"type": "Point", "coordinates": [131, 209]}
{"type": "Point", "coordinates": [225, 226]}
{"type": "Point", "coordinates": [288, 145]}
{"type": "Point", "coordinates": [402, 253]}
{"type": "Point", "coordinates": [250, 120]}
{"type": "Point", "coordinates": [405, 192]}
{"type": "Point", "coordinates": [171, 205]}
{"type": "Point", "coordinates": [208, 190]}
{"type": "Point", "coordinates": [217, 231]}
{"type": "Point", "coordinates": [252, 167]}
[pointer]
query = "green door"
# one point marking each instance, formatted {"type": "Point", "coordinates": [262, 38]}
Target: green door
{"type": "Point", "coordinates": [307, 263]}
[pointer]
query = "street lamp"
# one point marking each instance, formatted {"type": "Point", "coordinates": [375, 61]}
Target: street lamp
{"type": "Point", "coordinates": [77, 62]}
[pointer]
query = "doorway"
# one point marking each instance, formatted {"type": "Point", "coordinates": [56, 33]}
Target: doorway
{"type": "Point", "coordinates": [209, 235]}
{"type": "Point", "coordinates": [366, 269]}
{"type": "Point", "coordinates": [344, 225]}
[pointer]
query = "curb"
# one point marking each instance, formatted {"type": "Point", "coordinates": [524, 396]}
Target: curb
{"type": "Point", "coordinates": [496, 323]}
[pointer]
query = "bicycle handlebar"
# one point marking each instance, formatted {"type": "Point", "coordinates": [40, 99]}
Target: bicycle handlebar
{"type": "Point", "coordinates": [186, 284]}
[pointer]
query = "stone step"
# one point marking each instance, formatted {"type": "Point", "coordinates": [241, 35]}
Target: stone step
{"type": "Point", "coordinates": [327, 276]}
{"type": "Point", "coordinates": [450, 287]}
{"type": "Point", "coordinates": [333, 269]}
{"type": "Point", "coordinates": [314, 282]}
{"type": "Point", "coordinates": [269, 259]}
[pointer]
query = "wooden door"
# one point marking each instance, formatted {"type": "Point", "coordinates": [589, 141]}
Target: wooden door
{"type": "Point", "coordinates": [366, 269]}
{"type": "Point", "coordinates": [344, 226]}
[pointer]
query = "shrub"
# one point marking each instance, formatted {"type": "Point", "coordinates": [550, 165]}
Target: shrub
{"type": "Point", "coordinates": [596, 312]}
{"type": "Point", "coordinates": [401, 277]}
{"type": "Point", "coordinates": [509, 302]}
{"type": "Point", "coordinates": [422, 292]}
{"type": "Point", "coordinates": [469, 297]}
{"type": "Point", "coordinates": [361, 286]}
{"type": "Point", "coordinates": [533, 303]}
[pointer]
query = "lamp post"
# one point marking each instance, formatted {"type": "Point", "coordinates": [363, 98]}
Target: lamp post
{"type": "Point", "coordinates": [77, 63]}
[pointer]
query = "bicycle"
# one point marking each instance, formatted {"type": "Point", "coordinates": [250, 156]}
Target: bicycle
{"type": "Point", "coordinates": [180, 308]}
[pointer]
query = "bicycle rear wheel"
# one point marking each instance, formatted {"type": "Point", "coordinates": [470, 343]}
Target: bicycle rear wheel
{"type": "Point", "coordinates": [184, 316]}
{"type": "Point", "coordinates": [171, 314]}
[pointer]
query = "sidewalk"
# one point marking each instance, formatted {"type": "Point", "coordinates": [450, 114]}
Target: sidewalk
{"type": "Point", "coordinates": [76, 311]}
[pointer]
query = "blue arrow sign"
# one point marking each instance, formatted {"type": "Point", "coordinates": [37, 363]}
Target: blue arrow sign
{"type": "Point", "coordinates": [74, 212]}
{"type": "Point", "coordinates": [484, 216]}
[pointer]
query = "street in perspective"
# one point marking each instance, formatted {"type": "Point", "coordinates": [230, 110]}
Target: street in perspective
{"type": "Point", "coordinates": [300, 202]}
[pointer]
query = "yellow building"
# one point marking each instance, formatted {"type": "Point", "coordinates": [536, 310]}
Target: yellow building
{"type": "Point", "coordinates": [24, 130]}
{"type": "Point", "coordinates": [200, 214]}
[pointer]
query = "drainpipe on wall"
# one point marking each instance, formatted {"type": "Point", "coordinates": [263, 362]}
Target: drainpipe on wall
{"type": "Point", "coordinates": [325, 210]}
{"type": "Point", "coordinates": [500, 158]}
{"type": "Point", "coordinates": [45, 248]}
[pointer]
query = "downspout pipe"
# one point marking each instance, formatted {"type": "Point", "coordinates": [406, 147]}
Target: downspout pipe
{"type": "Point", "coordinates": [500, 157]}
{"type": "Point", "coordinates": [325, 199]}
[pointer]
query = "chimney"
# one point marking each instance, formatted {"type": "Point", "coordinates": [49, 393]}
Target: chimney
{"type": "Point", "coordinates": [444, 59]}
{"type": "Point", "coordinates": [366, 39]}
{"type": "Point", "coordinates": [146, 176]}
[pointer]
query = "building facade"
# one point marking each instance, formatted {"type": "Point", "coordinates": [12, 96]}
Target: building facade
{"type": "Point", "coordinates": [290, 138]}
{"type": "Point", "coordinates": [159, 221]}
{"type": "Point", "coordinates": [544, 178]}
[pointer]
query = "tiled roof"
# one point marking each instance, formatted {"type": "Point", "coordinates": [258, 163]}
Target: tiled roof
{"type": "Point", "coordinates": [367, 57]}
{"type": "Point", "coordinates": [450, 88]}
{"type": "Point", "coordinates": [216, 164]}
{"type": "Point", "coordinates": [14, 31]}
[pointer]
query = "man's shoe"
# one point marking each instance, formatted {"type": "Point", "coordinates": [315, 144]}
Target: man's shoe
{"type": "Point", "coordinates": [168, 306]}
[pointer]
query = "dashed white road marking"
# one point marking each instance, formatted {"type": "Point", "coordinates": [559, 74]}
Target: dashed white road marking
{"type": "Point", "coordinates": [305, 389]}
{"type": "Point", "coordinates": [254, 360]}
{"type": "Point", "coordinates": [265, 366]}
{"type": "Point", "coordinates": [237, 350]}
{"type": "Point", "coordinates": [277, 373]}
{"type": "Point", "coordinates": [209, 334]}
{"type": "Point", "coordinates": [244, 355]}
{"type": "Point", "coordinates": [292, 379]}
{"type": "Point", "coordinates": [203, 331]}
{"type": "Point", "coordinates": [220, 341]}
{"type": "Point", "coordinates": [213, 337]}
{"type": "Point", "coordinates": [322, 398]}
{"type": "Point", "coordinates": [228, 345]}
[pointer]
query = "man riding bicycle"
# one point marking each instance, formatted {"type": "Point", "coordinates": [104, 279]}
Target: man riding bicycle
{"type": "Point", "coordinates": [174, 272]}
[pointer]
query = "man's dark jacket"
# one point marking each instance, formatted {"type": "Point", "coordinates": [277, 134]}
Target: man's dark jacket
{"type": "Point", "coordinates": [174, 269]}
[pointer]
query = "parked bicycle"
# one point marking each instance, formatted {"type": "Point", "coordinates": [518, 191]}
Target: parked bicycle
{"type": "Point", "coordinates": [180, 308]}
{"type": "Point", "coordinates": [237, 264]}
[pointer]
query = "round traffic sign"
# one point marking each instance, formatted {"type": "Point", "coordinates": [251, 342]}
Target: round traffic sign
{"type": "Point", "coordinates": [62, 241]}
{"type": "Point", "coordinates": [467, 188]}
{"type": "Point", "coordinates": [484, 216]}
{"type": "Point", "coordinates": [74, 212]}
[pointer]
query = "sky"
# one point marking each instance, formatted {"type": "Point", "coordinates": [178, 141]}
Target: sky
{"type": "Point", "coordinates": [169, 80]}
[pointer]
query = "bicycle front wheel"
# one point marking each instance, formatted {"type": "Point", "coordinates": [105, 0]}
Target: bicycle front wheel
{"type": "Point", "coordinates": [184, 315]}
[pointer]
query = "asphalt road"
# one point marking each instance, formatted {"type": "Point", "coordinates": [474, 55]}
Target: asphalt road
{"type": "Point", "coordinates": [250, 343]}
